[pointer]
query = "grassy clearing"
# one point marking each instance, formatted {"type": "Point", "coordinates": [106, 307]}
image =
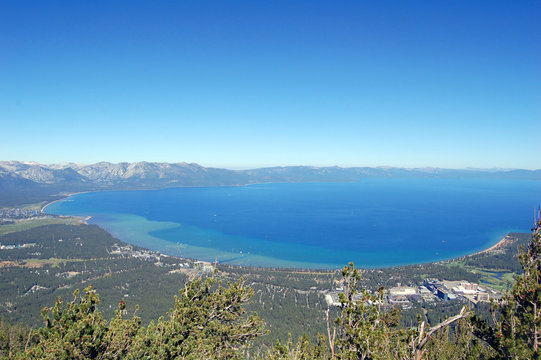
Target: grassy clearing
{"type": "Point", "coordinates": [498, 279]}
{"type": "Point", "coordinates": [36, 263]}
{"type": "Point", "coordinates": [501, 281]}
{"type": "Point", "coordinates": [35, 206]}
{"type": "Point", "coordinates": [460, 263]}
{"type": "Point", "coordinates": [22, 225]}
{"type": "Point", "coordinates": [52, 261]}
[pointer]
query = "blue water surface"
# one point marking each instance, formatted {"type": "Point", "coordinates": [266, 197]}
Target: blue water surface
{"type": "Point", "coordinates": [376, 222]}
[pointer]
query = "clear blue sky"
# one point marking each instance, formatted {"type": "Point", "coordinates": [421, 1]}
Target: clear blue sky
{"type": "Point", "coordinates": [242, 84]}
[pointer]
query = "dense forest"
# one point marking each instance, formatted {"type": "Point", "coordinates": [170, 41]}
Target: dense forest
{"type": "Point", "coordinates": [139, 294]}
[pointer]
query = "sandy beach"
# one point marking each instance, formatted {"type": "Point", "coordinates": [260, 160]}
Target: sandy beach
{"type": "Point", "coordinates": [501, 244]}
{"type": "Point", "coordinates": [84, 221]}
{"type": "Point", "coordinates": [64, 197]}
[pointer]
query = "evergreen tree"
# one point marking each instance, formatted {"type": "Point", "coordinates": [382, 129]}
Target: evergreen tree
{"type": "Point", "coordinates": [207, 322]}
{"type": "Point", "coordinates": [78, 331]}
{"type": "Point", "coordinates": [14, 338]}
{"type": "Point", "coordinates": [304, 349]}
{"type": "Point", "coordinates": [517, 317]}
{"type": "Point", "coordinates": [365, 330]}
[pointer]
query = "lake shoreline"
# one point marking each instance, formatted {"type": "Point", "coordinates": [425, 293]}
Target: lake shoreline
{"type": "Point", "coordinates": [501, 243]}
{"type": "Point", "coordinates": [64, 197]}
{"type": "Point", "coordinates": [504, 242]}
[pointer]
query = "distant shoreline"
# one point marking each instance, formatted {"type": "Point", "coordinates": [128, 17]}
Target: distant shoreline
{"type": "Point", "coordinates": [62, 198]}
{"type": "Point", "coordinates": [502, 243]}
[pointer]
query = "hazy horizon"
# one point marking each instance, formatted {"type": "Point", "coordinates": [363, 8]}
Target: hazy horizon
{"type": "Point", "coordinates": [275, 166]}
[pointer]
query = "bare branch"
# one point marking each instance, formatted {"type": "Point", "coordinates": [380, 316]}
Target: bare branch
{"type": "Point", "coordinates": [418, 349]}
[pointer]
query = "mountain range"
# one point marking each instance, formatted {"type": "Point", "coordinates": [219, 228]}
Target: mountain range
{"type": "Point", "coordinates": [24, 182]}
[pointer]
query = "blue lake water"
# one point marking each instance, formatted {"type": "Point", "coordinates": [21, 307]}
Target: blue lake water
{"type": "Point", "coordinates": [376, 222]}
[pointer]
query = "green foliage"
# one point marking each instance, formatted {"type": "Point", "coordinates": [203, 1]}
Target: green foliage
{"type": "Point", "coordinates": [207, 322]}
{"type": "Point", "coordinates": [14, 338]}
{"type": "Point", "coordinates": [209, 319]}
{"type": "Point", "coordinates": [304, 349]}
{"type": "Point", "coordinates": [502, 260]}
{"type": "Point", "coordinates": [290, 300]}
{"type": "Point", "coordinates": [456, 342]}
{"type": "Point", "coordinates": [60, 241]}
{"type": "Point", "coordinates": [365, 330]}
{"type": "Point", "coordinates": [82, 257]}
{"type": "Point", "coordinates": [77, 330]}
{"type": "Point", "coordinates": [517, 318]}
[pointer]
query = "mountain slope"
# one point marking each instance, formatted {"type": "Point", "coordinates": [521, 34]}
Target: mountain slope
{"type": "Point", "coordinates": [24, 182]}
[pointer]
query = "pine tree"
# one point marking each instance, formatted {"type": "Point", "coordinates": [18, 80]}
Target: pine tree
{"type": "Point", "coordinates": [365, 329]}
{"type": "Point", "coordinates": [207, 322]}
{"type": "Point", "coordinates": [304, 349]}
{"type": "Point", "coordinates": [517, 317]}
{"type": "Point", "coordinates": [77, 330]}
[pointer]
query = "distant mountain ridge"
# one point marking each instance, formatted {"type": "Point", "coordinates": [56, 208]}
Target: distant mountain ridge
{"type": "Point", "coordinates": [22, 182]}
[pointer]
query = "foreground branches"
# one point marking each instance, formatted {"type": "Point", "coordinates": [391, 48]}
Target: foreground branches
{"type": "Point", "coordinates": [517, 318]}
{"type": "Point", "coordinates": [207, 321]}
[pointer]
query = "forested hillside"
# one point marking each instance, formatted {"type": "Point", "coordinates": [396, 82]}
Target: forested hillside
{"type": "Point", "coordinates": [137, 286]}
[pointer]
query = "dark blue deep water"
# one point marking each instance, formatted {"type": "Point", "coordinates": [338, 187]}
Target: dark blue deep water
{"type": "Point", "coordinates": [376, 222]}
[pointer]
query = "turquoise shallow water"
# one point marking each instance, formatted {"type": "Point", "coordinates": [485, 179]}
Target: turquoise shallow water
{"type": "Point", "coordinates": [377, 222]}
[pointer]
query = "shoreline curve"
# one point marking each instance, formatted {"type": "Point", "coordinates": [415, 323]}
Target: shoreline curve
{"type": "Point", "coordinates": [500, 244]}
